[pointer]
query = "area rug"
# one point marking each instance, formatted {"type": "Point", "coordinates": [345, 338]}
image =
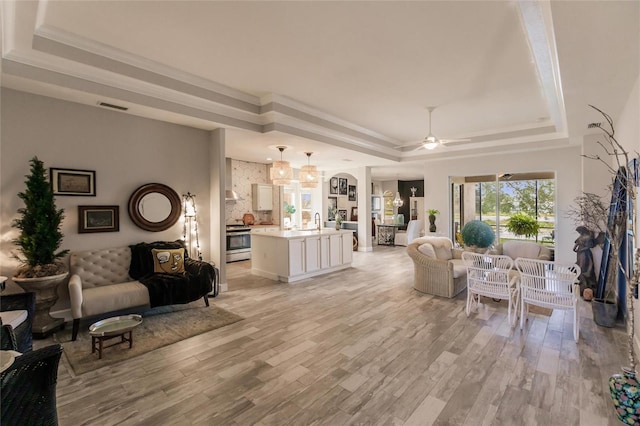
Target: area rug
{"type": "Point", "coordinates": [160, 327]}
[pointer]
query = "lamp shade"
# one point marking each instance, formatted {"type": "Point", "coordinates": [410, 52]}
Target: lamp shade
{"type": "Point", "coordinates": [281, 171]}
{"type": "Point", "coordinates": [308, 174]}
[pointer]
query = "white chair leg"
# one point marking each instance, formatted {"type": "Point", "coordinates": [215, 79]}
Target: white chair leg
{"type": "Point", "coordinates": [469, 295]}
{"type": "Point", "coordinates": [576, 324]}
{"type": "Point", "coordinates": [522, 314]}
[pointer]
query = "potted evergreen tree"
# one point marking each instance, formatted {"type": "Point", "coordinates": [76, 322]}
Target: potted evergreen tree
{"type": "Point", "coordinates": [38, 242]}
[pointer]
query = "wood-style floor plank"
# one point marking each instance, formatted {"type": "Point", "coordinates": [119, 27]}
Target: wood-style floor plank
{"type": "Point", "coordinates": [358, 347]}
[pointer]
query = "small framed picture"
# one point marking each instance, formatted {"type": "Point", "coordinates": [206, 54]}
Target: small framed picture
{"type": "Point", "coordinates": [333, 185]}
{"type": "Point", "coordinates": [343, 186]}
{"type": "Point", "coordinates": [343, 214]}
{"type": "Point", "coordinates": [352, 193]}
{"type": "Point", "coordinates": [354, 214]}
{"type": "Point", "coordinates": [332, 207]}
{"type": "Point", "coordinates": [98, 219]}
{"type": "Point", "coordinates": [73, 182]}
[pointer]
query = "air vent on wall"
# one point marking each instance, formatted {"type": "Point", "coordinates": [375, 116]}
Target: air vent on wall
{"type": "Point", "coordinates": [593, 125]}
{"type": "Point", "coordinates": [108, 105]}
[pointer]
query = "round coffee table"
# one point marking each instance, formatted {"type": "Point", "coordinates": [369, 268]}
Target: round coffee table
{"type": "Point", "coordinates": [111, 328]}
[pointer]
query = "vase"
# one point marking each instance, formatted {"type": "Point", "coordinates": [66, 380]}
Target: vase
{"type": "Point", "coordinates": [432, 223]}
{"type": "Point", "coordinates": [625, 393]}
{"type": "Point", "coordinates": [46, 290]}
{"type": "Point", "coordinates": [338, 225]}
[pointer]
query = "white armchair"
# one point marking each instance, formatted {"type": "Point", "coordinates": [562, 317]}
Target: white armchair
{"type": "Point", "coordinates": [403, 238]}
{"type": "Point", "coordinates": [438, 267]}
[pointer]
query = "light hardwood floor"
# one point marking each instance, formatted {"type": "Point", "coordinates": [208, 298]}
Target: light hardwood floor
{"type": "Point", "coordinates": [361, 347]}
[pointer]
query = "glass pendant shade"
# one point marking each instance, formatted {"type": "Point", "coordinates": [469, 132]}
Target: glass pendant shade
{"type": "Point", "coordinates": [281, 171]}
{"type": "Point", "coordinates": [308, 174]}
{"type": "Point", "coordinates": [397, 202]}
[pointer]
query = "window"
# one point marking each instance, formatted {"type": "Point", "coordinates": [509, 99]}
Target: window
{"type": "Point", "coordinates": [495, 198]}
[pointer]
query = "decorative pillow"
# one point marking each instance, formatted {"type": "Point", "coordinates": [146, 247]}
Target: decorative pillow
{"type": "Point", "coordinates": [427, 250]}
{"type": "Point", "coordinates": [168, 261]}
{"type": "Point", "coordinates": [142, 262]}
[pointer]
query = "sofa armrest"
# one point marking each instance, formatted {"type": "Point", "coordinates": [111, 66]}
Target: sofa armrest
{"type": "Point", "coordinates": [426, 261]}
{"type": "Point", "coordinates": [75, 296]}
{"type": "Point", "coordinates": [456, 253]}
{"type": "Point", "coordinates": [202, 269]}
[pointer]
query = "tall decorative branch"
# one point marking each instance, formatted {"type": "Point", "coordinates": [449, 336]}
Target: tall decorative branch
{"type": "Point", "coordinates": [615, 152]}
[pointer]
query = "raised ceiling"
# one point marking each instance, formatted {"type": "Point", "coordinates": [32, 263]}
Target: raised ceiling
{"type": "Point", "coordinates": [349, 81]}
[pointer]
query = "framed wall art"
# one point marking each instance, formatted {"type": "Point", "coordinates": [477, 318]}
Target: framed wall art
{"type": "Point", "coordinates": [343, 186]}
{"type": "Point", "coordinates": [73, 182]}
{"type": "Point", "coordinates": [343, 214]}
{"type": "Point", "coordinates": [332, 207]}
{"type": "Point", "coordinates": [352, 193]}
{"type": "Point", "coordinates": [98, 219]}
{"type": "Point", "coordinates": [333, 185]}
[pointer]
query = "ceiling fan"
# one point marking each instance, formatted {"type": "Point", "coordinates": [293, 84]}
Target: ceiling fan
{"type": "Point", "coordinates": [431, 141]}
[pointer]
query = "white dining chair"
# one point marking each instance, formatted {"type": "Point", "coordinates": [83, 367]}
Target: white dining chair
{"type": "Point", "coordinates": [491, 276]}
{"type": "Point", "coordinates": [549, 285]}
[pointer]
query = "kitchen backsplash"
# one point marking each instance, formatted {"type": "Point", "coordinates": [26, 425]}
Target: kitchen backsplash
{"type": "Point", "coordinates": [243, 174]}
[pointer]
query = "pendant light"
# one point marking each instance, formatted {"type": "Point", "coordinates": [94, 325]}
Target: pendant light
{"type": "Point", "coordinates": [309, 174]}
{"type": "Point", "coordinates": [397, 202]}
{"type": "Point", "coordinates": [281, 171]}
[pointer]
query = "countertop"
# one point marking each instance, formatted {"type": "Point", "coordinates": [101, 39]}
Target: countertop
{"type": "Point", "coordinates": [305, 233]}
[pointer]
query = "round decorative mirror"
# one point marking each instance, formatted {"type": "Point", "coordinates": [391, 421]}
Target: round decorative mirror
{"type": "Point", "coordinates": [154, 207]}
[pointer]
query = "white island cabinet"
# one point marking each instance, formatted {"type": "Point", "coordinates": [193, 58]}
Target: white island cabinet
{"type": "Point", "coordinates": [290, 256]}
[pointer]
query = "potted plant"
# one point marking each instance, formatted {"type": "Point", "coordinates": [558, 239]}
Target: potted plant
{"type": "Point", "coordinates": [338, 218]}
{"type": "Point", "coordinates": [38, 242]}
{"type": "Point", "coordinates": [477, 235]}
{"type": "Point", "coordinates": [432, 219]}
{"type": "Point", "coordinates": [522, 224]}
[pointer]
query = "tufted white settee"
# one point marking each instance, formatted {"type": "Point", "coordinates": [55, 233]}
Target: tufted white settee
{"type": "Point", "coordinates": [101, 283]}
{"type": "Point", "coordinates": [438, 266]}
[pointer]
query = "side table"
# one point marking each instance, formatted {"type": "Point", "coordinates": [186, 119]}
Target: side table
{"type": "Point", "coordinates": [387, 235]}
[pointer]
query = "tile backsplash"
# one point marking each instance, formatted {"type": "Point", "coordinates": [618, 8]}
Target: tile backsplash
{"type": "Point", "coordinates": [243, 174]}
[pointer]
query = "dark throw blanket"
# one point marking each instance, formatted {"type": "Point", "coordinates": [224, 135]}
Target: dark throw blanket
{"type": "Point", "coordinates": [170, 289]}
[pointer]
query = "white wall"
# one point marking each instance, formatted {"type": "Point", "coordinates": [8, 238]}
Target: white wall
{"type": "Point", "coordinates": [565, 162]}
{"type": "Point", "coordinates": [125, 151]}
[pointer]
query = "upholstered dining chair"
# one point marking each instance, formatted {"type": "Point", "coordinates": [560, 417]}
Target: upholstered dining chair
{"type": "Point", "coordinates": [404, 238]}
{"type": "Point", "coordinates": [28, 388]}
{"type": "Point", "coordinates": [491, 276]}
{"type": "Point", "coordinates": [549, 285]}
{"type": "Point", "coordinates": [17, 311]}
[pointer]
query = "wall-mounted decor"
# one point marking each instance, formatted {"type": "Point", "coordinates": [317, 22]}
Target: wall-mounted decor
{"type": "Point", "coordinates": [343, 214]}
{"type": "Point", "coordinates": [154, 207]}
{"type": "Point", "coordinates": [342, 203]}
{"type": "Point", "coordinates": [73, 182]}
{"type": "Point", "coordinates": [352, 193]}
{"type": "Point", "coordinates": [343, 186]}
{"type": "Point", "coordinates": [333, 185]}
{"type": "Point", "coordinates": [98, 219]}
{"type": "Point", "coordinates": [332, 207]}
{"type": "Point", "coordinates": [354, 214]}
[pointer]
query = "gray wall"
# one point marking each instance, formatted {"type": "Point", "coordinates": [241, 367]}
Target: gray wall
{"type": "Point", "coordinates": [125, 151]}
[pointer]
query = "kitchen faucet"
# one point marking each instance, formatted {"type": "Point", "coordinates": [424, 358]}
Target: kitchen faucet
{"type": "Point", "coordinates": [317, 220]}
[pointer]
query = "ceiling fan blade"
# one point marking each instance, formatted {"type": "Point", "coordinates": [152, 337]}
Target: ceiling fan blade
{"type": "Point", "coordinates": [453, 141]}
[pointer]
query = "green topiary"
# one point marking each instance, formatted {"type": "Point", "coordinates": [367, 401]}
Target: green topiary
{"type": "Point", "coordinates": [39, 226]}
{"type": "Point", "coordinates": [477, 233]}
{"type": "Point", "coordinates": [523, 224]}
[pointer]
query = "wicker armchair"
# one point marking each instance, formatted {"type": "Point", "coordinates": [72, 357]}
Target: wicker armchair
{"type": "Point", "coordinates": [17, 302]}
{"type": "Point", "coordinates": [8, 339]}
{"type": "Point", "coordinates": [438, 267]}
{"type": "Point", "coordinates": [28, 388]}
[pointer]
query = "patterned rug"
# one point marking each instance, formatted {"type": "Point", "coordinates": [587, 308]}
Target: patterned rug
{"type": "Point", "coordinates": [160, 327]}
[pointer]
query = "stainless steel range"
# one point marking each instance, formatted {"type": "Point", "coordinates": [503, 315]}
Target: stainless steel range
{"type": "Point", "coordinates": [238, 242]}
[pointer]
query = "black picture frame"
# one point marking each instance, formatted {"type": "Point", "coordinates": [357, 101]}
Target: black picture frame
{"type": "Point", "coordinates": [342, 186]}
{"type": "Point", "coordinates": [332, 206]}
{"type": "Point", "coordinates": [98, 219]}
{"type": "Point", "coordinates": [333, 185]}
{"type": "Point", "coordinates": [352, 193]}
{"type": "Point", "coordinates": [343, 214]}
{"type": "Point", "coordinates": [73, 182]}
{"type": "Point", "coordinates": [354, 214]}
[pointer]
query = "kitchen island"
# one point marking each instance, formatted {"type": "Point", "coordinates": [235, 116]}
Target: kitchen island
{"type": "Point", "coordinates": [290, 256]}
